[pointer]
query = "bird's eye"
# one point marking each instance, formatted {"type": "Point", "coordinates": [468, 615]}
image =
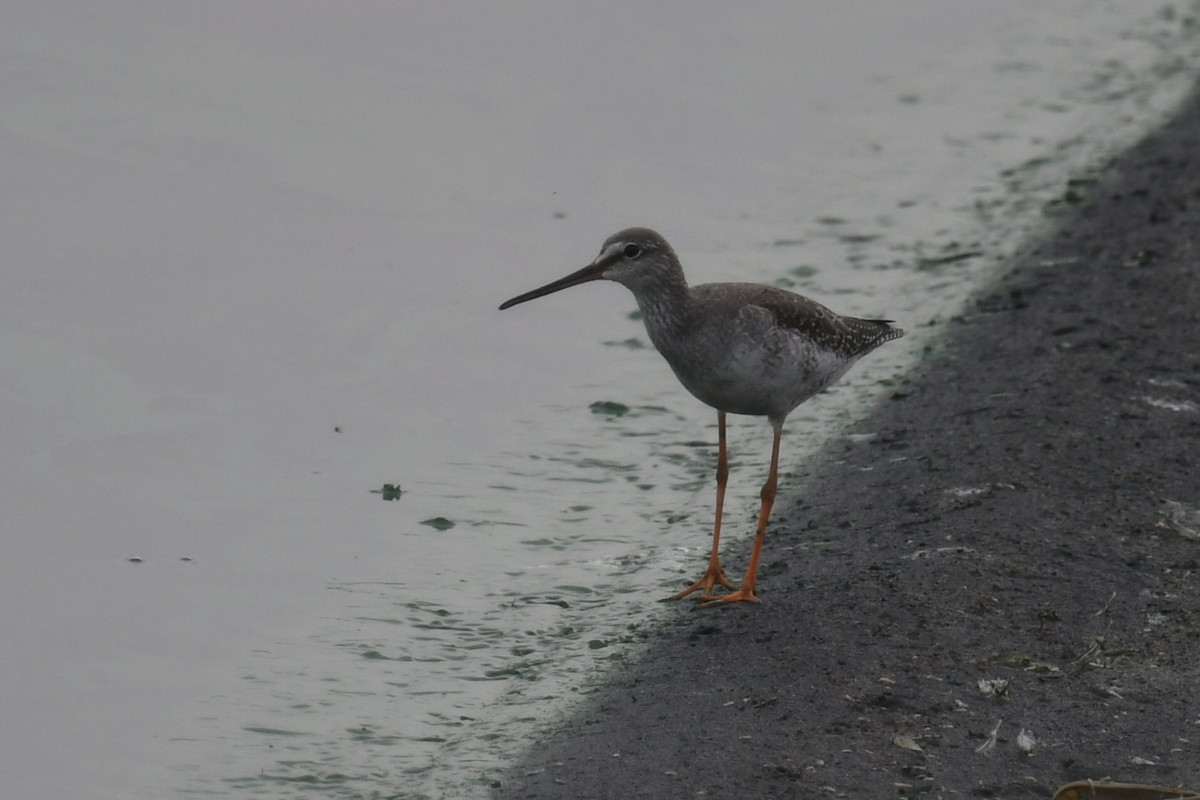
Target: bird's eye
{"type": "Point", "coordinates": [632, 251]}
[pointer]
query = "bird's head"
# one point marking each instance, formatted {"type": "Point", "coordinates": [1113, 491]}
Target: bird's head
{"type": "Point", "coordinates": [637, 258]}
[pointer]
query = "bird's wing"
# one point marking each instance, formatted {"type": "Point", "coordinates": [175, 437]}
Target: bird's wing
{"type": "Point", "coordinates": [849, 336]}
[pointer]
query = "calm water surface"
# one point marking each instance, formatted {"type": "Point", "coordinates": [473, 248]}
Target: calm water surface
{"type": "Point", "coordinates": [254, 264]}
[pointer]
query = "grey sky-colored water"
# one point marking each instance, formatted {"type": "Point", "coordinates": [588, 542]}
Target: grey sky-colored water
{"type": "Point", "coordinates": [252, 258]}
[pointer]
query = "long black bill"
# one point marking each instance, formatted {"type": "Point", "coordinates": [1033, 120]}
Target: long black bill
{"type": "Point", "coordinates": [591, 272]}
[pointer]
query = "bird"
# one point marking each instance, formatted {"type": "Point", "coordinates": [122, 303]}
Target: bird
{"type": "Point", "coordinates": [741, 348]}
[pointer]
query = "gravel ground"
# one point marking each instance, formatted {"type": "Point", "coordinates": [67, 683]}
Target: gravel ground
{"type": "Point", "coordinates": [1016, 549]}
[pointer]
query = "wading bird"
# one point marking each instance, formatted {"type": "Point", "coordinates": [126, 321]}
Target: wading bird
{"type": "Point", "coordinates": [742, 348]}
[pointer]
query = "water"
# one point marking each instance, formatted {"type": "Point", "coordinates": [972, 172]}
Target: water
{"type": "Point", "coordinates": [251, 268]}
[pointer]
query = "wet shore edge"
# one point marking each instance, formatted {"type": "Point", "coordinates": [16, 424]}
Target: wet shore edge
{"type": "Point", "coordinates": [995, 594]}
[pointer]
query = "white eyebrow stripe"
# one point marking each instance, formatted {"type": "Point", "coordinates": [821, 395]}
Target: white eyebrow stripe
{"type": "Point", "coordinates": [611, 252]}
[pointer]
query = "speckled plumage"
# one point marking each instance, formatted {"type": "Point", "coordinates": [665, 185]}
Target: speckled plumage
{"type": "Point", "coordinates": [742, 348]}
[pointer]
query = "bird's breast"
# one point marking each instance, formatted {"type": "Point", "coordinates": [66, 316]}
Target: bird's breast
{"type": "Point", "coordinates": [744, 374]}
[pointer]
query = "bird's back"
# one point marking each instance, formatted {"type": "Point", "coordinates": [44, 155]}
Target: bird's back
{"type": "Point", "coordinates": [848, 337]}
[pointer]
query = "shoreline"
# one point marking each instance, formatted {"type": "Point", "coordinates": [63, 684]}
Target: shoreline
{"type": "Point", "coordinates": [1026, 514]}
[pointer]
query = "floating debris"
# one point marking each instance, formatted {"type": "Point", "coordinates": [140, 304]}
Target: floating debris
{"type": "Point", "coordinates": [389, 491]}
{"type": "Point", "coordinates": [941, 261]}
{"type": "Point", "coordinates": [438, 523]}
{"type": "Point", "coordinates": [609, 408]}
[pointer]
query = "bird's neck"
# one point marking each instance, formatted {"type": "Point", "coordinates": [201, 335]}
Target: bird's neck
{"type": "Point", "coordinates": [665, 310]}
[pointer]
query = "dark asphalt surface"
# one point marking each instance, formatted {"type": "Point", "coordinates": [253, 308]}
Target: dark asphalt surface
{"type": "Point", "coordinates": [1026, 513]}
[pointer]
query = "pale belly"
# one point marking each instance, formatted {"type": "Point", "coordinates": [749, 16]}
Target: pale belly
{"type": "Point", "coordinates": [758, 381]}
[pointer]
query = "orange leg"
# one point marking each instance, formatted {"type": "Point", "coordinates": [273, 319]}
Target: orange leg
{"type": "Point", "coordinates": [713, 575]}
{"type": "Point", "coordinates": [746, 591]}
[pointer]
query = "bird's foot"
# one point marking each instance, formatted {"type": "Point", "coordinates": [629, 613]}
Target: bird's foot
{"type": "Point", "coordinates": [743, 594]}
{"type": "Point", "coordinates": [712, 576]}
